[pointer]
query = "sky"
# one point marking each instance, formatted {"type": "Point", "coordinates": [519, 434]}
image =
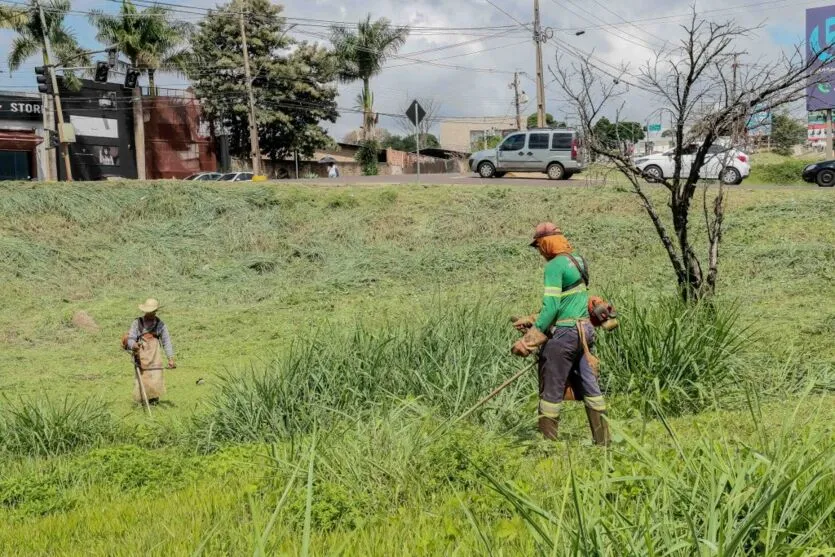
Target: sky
{"type": "Point", "coordinates": [462, 53]}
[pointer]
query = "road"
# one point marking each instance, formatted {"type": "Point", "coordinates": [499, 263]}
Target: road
{"type": "Point", "coordinates": [536, 180]}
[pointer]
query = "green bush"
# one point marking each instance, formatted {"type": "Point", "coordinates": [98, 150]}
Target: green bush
{"type": "Point", "coordinates": [367, 156]}
{"type": "Point", "coordinates": [788, 172]}
{"type": "Point", "coordinates": [46, 427]}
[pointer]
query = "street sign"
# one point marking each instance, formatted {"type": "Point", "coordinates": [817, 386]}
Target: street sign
{"type": "Point", "coordinates": [654, 128]}
{"type": "Point", "coordinates": [416, 113]}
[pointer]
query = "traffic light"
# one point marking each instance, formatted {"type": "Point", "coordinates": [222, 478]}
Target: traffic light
{"type": "Point", "coordinates": [131, 78]}
{"type": "Point", "coordinates": [102, 70]}
{"type": "Point", "coordinates": [42, 77]}
{"type": "Point", "coordinates": [112, 57]}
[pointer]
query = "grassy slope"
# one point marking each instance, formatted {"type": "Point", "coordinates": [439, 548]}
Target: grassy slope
{"type": "Point", "coordinates": [243, 272]}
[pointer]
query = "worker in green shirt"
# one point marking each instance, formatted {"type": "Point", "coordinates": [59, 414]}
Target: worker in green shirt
{"type": "Point", "coordinates": [565, 335]}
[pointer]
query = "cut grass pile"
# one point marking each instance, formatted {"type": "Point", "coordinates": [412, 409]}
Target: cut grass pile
{"type": "Point", "coordinates": [338, 330]}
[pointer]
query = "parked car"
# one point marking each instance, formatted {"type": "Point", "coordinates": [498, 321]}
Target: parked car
{"type": "Point", "coordinates": [820, 173]}
{"type": "Point", "coordinates": [236, 177]}
{"type": "Point", "coordinates": [556, 152]}
{"type": "Point", "coordinates": [205, 176]}
{"type": "Point", "coordinates": [722, 163]}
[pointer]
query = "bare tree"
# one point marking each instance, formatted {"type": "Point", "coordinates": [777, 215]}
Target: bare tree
{"type": "Point", "coordinates": [699, 84]}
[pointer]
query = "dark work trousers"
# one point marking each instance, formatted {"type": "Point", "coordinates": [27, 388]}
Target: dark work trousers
{"type": "Point", "coordinates": [562, 361]}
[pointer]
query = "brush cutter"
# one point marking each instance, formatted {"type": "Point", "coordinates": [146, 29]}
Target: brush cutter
{"type": "Point", "coordinates": [141, 386]}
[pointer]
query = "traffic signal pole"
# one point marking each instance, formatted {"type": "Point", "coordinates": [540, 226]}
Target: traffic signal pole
{"type": "Point", "coordinates": [56, 97]}
{"type": "Point", "coordinates": [254, 147]}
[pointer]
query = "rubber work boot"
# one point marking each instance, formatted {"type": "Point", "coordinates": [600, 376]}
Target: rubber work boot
{"type": "Point", "coordinates": [599, 427]}
{"type": "Point", "coordinates": [548, 427]}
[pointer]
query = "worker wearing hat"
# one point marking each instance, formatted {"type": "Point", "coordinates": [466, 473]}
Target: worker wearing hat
{"type": "Point", "coordinates": [147, 335]}
{"type": "Point", "coordinates": [564, 335]}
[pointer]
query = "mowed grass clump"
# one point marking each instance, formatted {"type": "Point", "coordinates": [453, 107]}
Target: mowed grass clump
{"type": "Point", "coordinates": [49, 427]}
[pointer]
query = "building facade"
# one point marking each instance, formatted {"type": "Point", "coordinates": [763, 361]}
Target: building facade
{"type": "Point", "coordinates": [24, 153]}
{"type": "Point", "coordinates": [473, 134]}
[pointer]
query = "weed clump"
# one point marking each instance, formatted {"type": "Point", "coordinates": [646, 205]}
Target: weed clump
{"type": "Point", "coordinates": [46, 427]}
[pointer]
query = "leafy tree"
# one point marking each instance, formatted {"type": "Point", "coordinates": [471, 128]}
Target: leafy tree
{"type": "Point", "coordinates": [151, 39]}
{"type": "Point", "coordinates": [362, 54]}
{"type": "Point", "coordinates": [293, 81]}
{"type": "Point", "coordinates": [613, 135]}
{"type": "Point", "coordinates": [407, 143]}
{"type": "Point", "coordinates": [549, 121]}
{"type": "Point", "coordinates": [668, 133]}
{"type": "Point", "coordinates": [786, 132]}
{"type": "Point", "coordinates": [29, 41]}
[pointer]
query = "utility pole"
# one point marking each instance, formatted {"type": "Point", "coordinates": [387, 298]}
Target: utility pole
{"type": "Point", "coordinates": [737, 131]}
{"type": "Point", "coordinates": [56, 97]}
{"type": "Point", "coordinates": [538, 37]}
{"type": "Point", "coordinates": [253, 124]}
{"type": "Point", "coordinates": [516, 101]}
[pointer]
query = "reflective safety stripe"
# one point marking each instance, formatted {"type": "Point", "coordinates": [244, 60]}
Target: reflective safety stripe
{"type": "Point", "coordinates": [554, 292]}
{"type": "Point", "coordinates": [549, 409]}
{"type": "Point", "coordinates": [595, 403]}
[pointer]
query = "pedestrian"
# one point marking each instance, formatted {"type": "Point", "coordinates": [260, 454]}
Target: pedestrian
{"type": "Point", "coordinates": [147, 338]}
{"type": "Point", "coordinates": [333, 171]}
{"type": "Point", "coordinates": [565, 336]}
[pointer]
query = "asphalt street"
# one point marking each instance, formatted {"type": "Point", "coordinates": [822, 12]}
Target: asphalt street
{"type": "Point", "coordinates": [535, 180]}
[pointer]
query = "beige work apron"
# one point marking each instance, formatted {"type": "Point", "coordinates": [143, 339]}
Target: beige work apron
{"type": "Point", "coordinates": [150, 368]}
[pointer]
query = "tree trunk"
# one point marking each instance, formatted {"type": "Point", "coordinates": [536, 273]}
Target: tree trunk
{"type": "Point", "coordinates": [139, 132]}
{"type": "Point", "coordinates": [367, 123]}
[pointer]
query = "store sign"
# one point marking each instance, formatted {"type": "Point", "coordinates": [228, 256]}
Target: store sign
{"type": "Point", "coordinates": [20, 108]}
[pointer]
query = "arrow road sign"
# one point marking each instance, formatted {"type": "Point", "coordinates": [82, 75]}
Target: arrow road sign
{"type": "Point", "coordinates": [416, 113]}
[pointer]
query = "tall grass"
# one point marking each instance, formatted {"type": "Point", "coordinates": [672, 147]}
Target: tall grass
{"type": "Point", "coordinates": [447, 358]}
{"type": "Point", "coordinates": [673, 356]}
{"type": "Point", "coordinates": [48, 427]}
{"type": "Point", "coordinates": [713, 497]}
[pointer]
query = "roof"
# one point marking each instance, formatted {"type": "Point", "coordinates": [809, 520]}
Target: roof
{"type": "Point", "coordinates": [440, 153]}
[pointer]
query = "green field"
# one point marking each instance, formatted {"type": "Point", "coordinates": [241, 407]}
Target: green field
{"type": "Point", "coordinates": [337, 329]}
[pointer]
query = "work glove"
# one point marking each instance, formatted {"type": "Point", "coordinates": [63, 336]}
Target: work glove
{"type": "Point", "coordinates": [522, 324]}
{"type": "Point", "coordinates": [171, 363]}
{"type": "Point", "coordinates": [533, 339]}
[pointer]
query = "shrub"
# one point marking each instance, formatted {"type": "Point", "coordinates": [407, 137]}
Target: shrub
{"type": "Point", "coordinates": [367, 156]}
{"type": "Point", "coordinates": [46, 427]}
{"type": "Point", "coordinates": [673, 354]}
{"type": "Point", "coordinates": [787, 172]}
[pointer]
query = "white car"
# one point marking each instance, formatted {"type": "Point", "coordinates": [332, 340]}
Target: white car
{"type": "Point", "coordinates": [728, 165]}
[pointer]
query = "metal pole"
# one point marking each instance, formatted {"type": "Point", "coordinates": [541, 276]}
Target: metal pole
{"type": "Point", "coordinates": [56, 97]}
{"type": "Point", "coordinates": [253, 123]}
{"type": "Point", "coordinates": [417, 141]}
{"type": "Point", "coordinates": [540, 82]}
{"type": "Point", "coordinates": [141, 386]}
{"type": "Point", "coordinates": [829, 133]}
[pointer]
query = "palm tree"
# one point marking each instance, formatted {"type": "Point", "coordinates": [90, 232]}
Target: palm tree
{"type": "Point", "coordinates": [11, 16]}
{"type": "Point", "coordinates": [149, 39]}
{"type": "Point", "coordinates": [362, 55]}
{"type": "Point", "coordinates": [30, 36]}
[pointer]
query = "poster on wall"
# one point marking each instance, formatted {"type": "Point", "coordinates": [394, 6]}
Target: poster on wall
{"type": "Point", "coordinates": [93, 126]}
{"type": "Point", "coordinates": [820, 34]}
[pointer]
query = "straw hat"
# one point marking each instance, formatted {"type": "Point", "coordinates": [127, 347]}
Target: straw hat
{"type": "Point", "coordinates": [544, 229]}
{"type": "Point", "coordinates": [150, 306]}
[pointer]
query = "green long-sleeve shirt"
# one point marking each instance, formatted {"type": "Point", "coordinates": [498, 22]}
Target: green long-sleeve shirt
{"type": "Point", "coordinates": [566, 297]}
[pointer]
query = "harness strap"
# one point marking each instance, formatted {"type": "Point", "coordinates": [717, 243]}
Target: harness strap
{"type": "Point", "coordinates": [593, 361]}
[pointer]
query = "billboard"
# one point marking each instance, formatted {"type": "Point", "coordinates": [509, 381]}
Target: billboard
{"type": "Point", "coordinates": [759, 124]}
{"type": "Point", "coordinates": [820, 35]}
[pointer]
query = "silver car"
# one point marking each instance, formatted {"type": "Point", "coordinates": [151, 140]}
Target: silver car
{"type": "Point", "coordinates": [554, 152]}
